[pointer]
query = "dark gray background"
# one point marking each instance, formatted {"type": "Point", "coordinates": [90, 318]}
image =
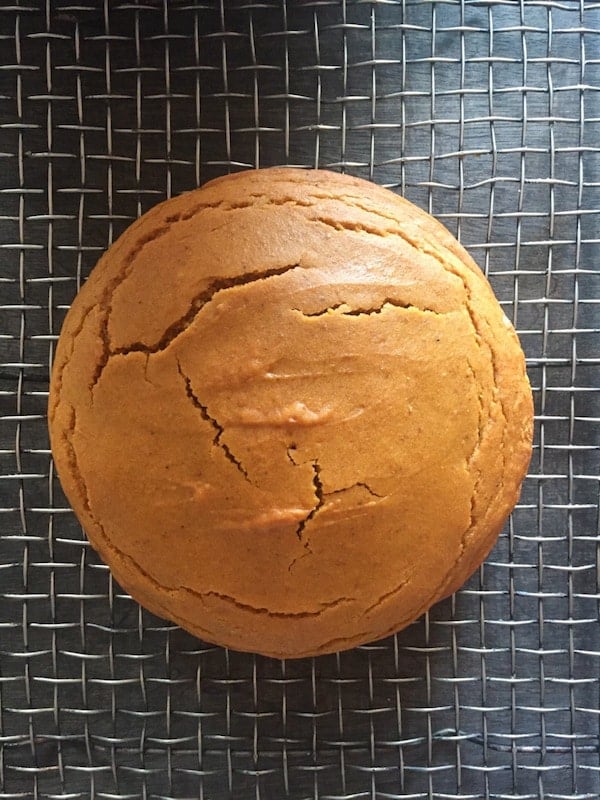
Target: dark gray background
{"type": "Point", "coordinates": [485, 113]}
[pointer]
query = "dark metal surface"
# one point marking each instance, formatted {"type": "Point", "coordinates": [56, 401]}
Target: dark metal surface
{"type": "Point", "coordinates": [485, 113]}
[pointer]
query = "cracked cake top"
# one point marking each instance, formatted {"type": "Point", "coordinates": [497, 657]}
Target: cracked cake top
{"type": "Point", "coordinates": [289, 412]}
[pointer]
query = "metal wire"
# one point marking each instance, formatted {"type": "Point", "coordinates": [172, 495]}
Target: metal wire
{"type": "Point", "coordinates": [484, 112]}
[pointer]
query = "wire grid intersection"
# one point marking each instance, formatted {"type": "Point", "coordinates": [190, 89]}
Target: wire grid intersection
{"type": "Point", "coordinates": [485, 113]}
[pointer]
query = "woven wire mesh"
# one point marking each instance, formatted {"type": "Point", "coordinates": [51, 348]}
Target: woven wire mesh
{"type": "Point", "coordinates": [486, 114]}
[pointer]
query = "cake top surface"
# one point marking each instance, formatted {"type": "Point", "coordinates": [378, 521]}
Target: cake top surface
{"type": "Point", "coordinates": [289, 411]}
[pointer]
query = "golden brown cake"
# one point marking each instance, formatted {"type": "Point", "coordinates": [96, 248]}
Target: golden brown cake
{"type": "Point", "coordinates": [289, 412]}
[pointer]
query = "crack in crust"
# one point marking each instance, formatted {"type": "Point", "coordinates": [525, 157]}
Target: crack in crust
{"type": "Point", "coordinates": [497, 400]}
{"type": "Point", "coordinates": [387, 596]}
{"type": "Point", "coordinates": [175, 330]}
{"type": "Point", "coordinates": [276, 614]}
{"type": "Point", "coordinates": [331, 644]}
{"type": "Point", "coordinates": [319, 497]}
{"type": "Point", "coordinates": [218, 428]}
{"type": "Point", "coordinates": [471, 456]}
{"type": "Point", "coordinates": [60, 372]}
{"type": "Point", "coordinates": [73, 462]}
{"type": "Point", "coordinates": [105, 302]}
{"type": "Point", "coordinates": [357, 485]}
{"type": "Point", "coordinates": [343, 309]}
{"type": "Point", "coordinates": [202, 299]}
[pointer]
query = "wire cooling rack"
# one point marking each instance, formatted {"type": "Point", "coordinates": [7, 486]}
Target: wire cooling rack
{"type": "Point", "coordinates": [484, 112]}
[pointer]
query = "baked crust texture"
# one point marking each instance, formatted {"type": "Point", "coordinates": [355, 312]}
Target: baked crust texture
{"type": "Point", "coordinates": [289, 412]}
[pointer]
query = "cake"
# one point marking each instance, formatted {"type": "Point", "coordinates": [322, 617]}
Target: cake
{"type": "Point", "coordinates": [289, 412]}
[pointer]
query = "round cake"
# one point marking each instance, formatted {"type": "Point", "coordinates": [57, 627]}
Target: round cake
{"type": "Point", "coordinates": [289, 412]}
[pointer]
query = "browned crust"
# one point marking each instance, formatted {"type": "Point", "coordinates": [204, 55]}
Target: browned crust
{"type": "Point", "coordinates": [351, 549]}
